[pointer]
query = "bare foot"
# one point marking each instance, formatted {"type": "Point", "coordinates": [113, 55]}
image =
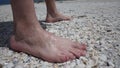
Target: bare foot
{"type": "Point", "coordinates": [47, 46]}
{"type": "Point", "coordinates": [56, 17]}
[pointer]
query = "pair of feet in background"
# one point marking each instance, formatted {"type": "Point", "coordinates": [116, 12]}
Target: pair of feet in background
{"type": "Point", "coordinates": [42, 44]}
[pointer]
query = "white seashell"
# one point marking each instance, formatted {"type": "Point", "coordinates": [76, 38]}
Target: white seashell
{"type": "Point", "coordinates": [84, 60]}
{"type": "Point", "coordinates": [18, 66]}
{"type": "Point", "coordinates": [9, 65]}
{"type": "Point", "coordinates": [80, 66]}
{"type": "Point", "coordinates": [111, 64]}
{"type": "Point", "coordinates": [103, 57]}
{"type": "Point", "coordinates": [72, 64]}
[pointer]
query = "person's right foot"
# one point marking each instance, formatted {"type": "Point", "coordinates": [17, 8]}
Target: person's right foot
{"type": "Point", "coordinates": [44, 45]}
{"type": "Point", "coordinates": [52, 18]}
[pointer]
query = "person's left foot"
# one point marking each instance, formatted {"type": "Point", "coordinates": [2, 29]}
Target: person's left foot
{"type": "Point", "coordinates": [41, 44]}
{"type": "Point", "coordinates": [52, 18]}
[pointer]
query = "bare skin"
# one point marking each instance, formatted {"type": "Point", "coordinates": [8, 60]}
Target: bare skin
{"type": "Point", "coordinates": [52, 13]}
{"type": "Point", "coordinates": [49, 47]}
{"type": "Point", "coordinates": [30, 38]}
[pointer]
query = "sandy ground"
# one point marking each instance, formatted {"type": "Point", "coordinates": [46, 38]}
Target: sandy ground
{"type": "Point", "coordinates": [96, 23]}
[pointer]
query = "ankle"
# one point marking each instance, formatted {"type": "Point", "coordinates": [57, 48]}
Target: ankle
{"type": "Point", "coordinates": [24, 22]}
{"type": "Point", "coordinates": [53, 14]}
{"type": "Point", "coordinates": [26, 29]}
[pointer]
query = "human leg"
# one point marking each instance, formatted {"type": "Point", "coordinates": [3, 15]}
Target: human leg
{"type": "Point", "coordinates": [30, 38]}
{"type": "Point", "coordinates": [53, 15]}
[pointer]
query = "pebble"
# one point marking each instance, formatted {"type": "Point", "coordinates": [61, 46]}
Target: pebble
{"type": "Point", "coordinates": [103, 57]}
{"type": "Point", "coordinates": [108, 30]}
{"type": "Point", "coordinates": [18, 66]}
{"type": "Point", "coordinates": [80, 66]}
{"type": "Point", "coordinates": [8, 65]}
{"type": "Point", "coordinates": [111, 64]}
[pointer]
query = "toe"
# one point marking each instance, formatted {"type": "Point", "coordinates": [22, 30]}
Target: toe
{"type": "Point", "coordinates": [79, 46]}
{"type": "Point", "coordinates": [83, 53]}
{"type": "Point", "coordinates": [69, 18]}
{"type": "Point", "coordinates": [77, 52]}
{"type": "Point", "coordinates": [66, 56]}
{"type": "Point", "coordinates": [83, 46]}
{"type": "Point", "coordinates": [71, 56]}
{"type": "Point", "coordinates": [63, 57]}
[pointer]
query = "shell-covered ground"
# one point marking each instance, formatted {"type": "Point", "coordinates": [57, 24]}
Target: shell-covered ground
{"type": "Point", "coordinates": [95, 23]}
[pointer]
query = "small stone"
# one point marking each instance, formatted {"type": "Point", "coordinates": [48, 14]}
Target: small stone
{"type": "Point", "coordinates": [93, 17]}
{"type": "Point", "coordinates": [15, 60]}
{"type": "Point", "coordinates": [103, 57]}
{"type": "Point", "coordinates": [9, 65]}
{"type": "Point", "coordinates": [82, 16]}
{"type": "Point", "coordinates": [108, 30]}
{"type": "Point", "coordinates": [21, 65]}
{"type": "Point", "coordinates": [117, 45]}
{"type": "Point", "coordinates": [91, 63]}
{"type": "Point", "coordinates": [18, 66]}
{"type": "Point", "coordinates": [98, 19]}
{"type": "Point", "coordinates": [67, 66]}
{"type": "Point", "coordinates": [72, 64]}
{"type": "Point", "coordinates": [107, 64]}
{"type": "Point", "coordinates": [71, 10]}
{"type": "Point", "coordinates": [111, 64]}
{"type": "Point", "coordinates": [10, 53]}
{"type": "Point", "coordinates": [80, 66]}
{"type": "Point", "coordinates": [84, 60]}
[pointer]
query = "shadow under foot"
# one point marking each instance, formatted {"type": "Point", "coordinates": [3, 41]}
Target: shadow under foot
{"type": "Point", "coordinates": [6, 30]}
